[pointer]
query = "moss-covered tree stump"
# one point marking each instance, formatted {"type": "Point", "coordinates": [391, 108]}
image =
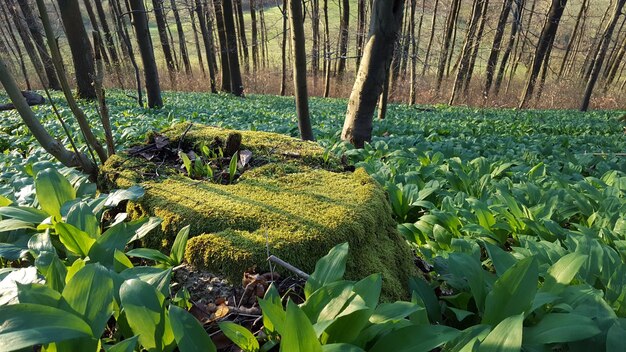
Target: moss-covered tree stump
{"type": "Point", "coordinates": [298, 202]}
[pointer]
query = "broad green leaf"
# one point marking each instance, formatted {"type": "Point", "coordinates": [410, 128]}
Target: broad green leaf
{"type": "Point", "coordinates": [4, 201]}
{"type": "Point", "coordinates": [348, 325]}
{"type": "Point", "coordinates": [75, 240]}
{"type": "Point", "coordinates": [150, 254]}
{"type": "Point", "coordinates": [298, 334]}
{"type": "Point", "coordinates": [393, 311]}
{"type": "Point", "coordinates": [501, 260]}
{"type": "Point", "coordinates": [341, 347]}
{"type": "Point", "coordinates": [178, 248]}
{"type": "Point", "coordinates": [560, 327]}
{"type": "Point", "coordinates": [505, 337]}
{"type": "Point", "coordinates": [127, 345]}
{"type": "Point", "coordinates": [38, 294]}
{"type": "Point", "coordinates": [468, 267]}
{"type": "Point", "coordinates": [329, 268]}
{"type": "Point", "coordinates": [14, 224]}
{"type": "Point", "coordinates": [415, 338]}
{"type": "Point", "coordinates": [27, 214]}
{"type": "Point", "coordinates": [563, 271]}
{"type": "Point", "coordinates": [426, 293]}
{"type": "Point", "coordinates": [273, 313]}
{"type": "Point", "coordinates": [134, 192]}
{"type": "Point", "coordinates": [26, 325]}
{"type": "Point", "coordinates": [89, 294]}
{"type": "Point", "coordinates": [53, 190]}
{"type": "Point", "coordinates": [512, 293]}
{"type": "Point", "coordinates": [189, 334]}
{"type": "Point", "coordinates": [74, 268]}
{"type": "Point", "coordinates": [465, 341]}
{"type": "Point", "coordinates": [239, 335]}
{"type": "Point", "coordinates": [615, 338]}
{"type": "Point", "coordinates": [81, 216]}
{"type": "Point", "coordinates": [145, 314]}
{"type": "Point", "coordinates": [121, 261]}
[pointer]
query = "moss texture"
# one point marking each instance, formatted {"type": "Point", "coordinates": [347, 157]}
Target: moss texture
{"type": "Point", "coordinates": [294, 204]}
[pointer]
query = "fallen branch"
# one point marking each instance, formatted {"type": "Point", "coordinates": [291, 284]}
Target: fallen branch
{"type": "Point", "coordinates": [274, 259]}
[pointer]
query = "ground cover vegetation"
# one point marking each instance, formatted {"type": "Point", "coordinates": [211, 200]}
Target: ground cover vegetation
{"type": "Point", "coordinates": [516, 219]}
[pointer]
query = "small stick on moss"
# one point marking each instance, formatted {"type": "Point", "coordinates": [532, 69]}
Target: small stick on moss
{"type": "Point", "coordinates": [284, 264]}
{"type": "Point", "coordinates": [180, 142]}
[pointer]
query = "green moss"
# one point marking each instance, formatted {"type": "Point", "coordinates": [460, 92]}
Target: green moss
{"type": "Point", "coordinates": [292, 205]}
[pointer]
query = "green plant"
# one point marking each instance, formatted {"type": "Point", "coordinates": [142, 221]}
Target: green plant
{"type": "Point", "coordinates": [176, 254]}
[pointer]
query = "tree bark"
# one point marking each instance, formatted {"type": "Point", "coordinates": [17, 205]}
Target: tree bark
{"type": "Point", "coordinates": [98, 48]}
{"type": "Point", "coordinates": [127, 47]}
{"type": "Point", "coordinates": [108, 38]}
{"type": "Point", "coordinates": [384, 25]}
{"type": "Point", "coordinates": [430, 39]}
{"type": "Point", "coordinates": [517, 20]}
{"type": "Point", "coordinates": [496, 46]}
{"type": "Point", "coordinates": [283, 51]}
{"type": "Point", "coordinates": [221, 35]}
{"type": "Point", "coordinates": [327, 54]}
{"type": "Point", "coordinates": [599, 59]}
{"type": "Point", "coordinates": [182, 43]}
{"type": "Point", "coordinates": [51, 145]}
{"type": "Point", "coordinates": [343, 37]}
{"type": "Point", "coordinates": [255, 39]}
{"type": "Point", "coordinates": [572, 38]}
{"type": "Point", "coordinates": [315, 29]}
{"type": "Point", "coordinates": [299, 69]}
{"type": "Point", "coordinates": [242, 35]}
{"type": "Point", "coordinates": [151, 73]}
{"type": "Point", "coordinates": [360, 31]}
{"type": "Point", "coordinates": [15, 45]}
{"type": "Point", "coordinates": [208, 44]}
{"type": "Point", "coordinates": [547, 35]}
{"type": "Point", "coordinates": [80, 46]}
{"type": "Point", "coordinates": [165, 44]}
{"type": "Point", "coordinates": [35, 32]}
{"type": "Point", "coordinates": [236, 85]}
{"type": "Point", "coordinates": [445, 47]}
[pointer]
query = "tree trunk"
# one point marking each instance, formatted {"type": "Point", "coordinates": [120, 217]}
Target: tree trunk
{"type": "Point", "coordinates": [51, 145]}
{"type": "Point", "coordinates": [108, 38]}
{"type": "Point", "coordinates": [445, 47]}
{"type": "Point", "coordinates": [467, 49]}
{"type": "Point", "coordinates": [221, 35]}
{"type": "Point", "coordinates": [496, 46]}
{"type": "Point", "coordinates": [616, 64]}
{"type": "Point", "coordinates": [22, 31]}
{"type": "Point", "coordinates": [96, 27]}
{"type": "Point", "coordinates": [343, 37]}
{"type": "Point", "coordinates": [255, 39]}
{"type": "Point", "coordinates": [327, 54]}
{"type": "Point", "coordinates": [182, 44]}
{"type": "Point", "coordinates": [599, 59]}
{"type": "Point", "coordinates": [517, 20]}
{"type": "Point", "coordinates": [414, 47]}
{"type": "Point", "coordinates": [299, 69]}
{"type": "Point", "coordinates": [430, 39]}
{"type": "Point", "coordinates": [283, 51]}
{"type": "Point", "coordinates": [236, 86]}
{"type": "Point", "coordinates": [242, 35]}
{"type": "Point", "coordinates": [127, 47]}
{"type": "Point", "coordinates": [18, 49]}
{"type": "Point", "coordinates": [35, 32]}
{"type": "Point", "coordinates": [208, 44]}
{"type": "Point", "coordinates": [547, 35]}
{"type": "Point", "coordinates": [384, 97]}
{"type": "Point", "coordinates": [151, 73]}
{"type": "Point", "coordinates": [474, 55]}
{"type": "Point", "coordinates": [165, 44]}
{"type": "Point", "coordinates": [360, 31]}
{"type": "Point", "coordinates": [315, 28]}
{"type": "Point", "coordinates": [384, 25]}
{"type": "Point", "coordinates": [264, 50]}
{"type": "Point", "coordinates": [596, 43]}
{"type": "Point", "coordinates": [572, 38]}
{"type": "Point", "coordinates": [80, 47]}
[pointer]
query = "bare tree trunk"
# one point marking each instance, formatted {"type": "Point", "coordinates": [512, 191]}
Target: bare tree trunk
{"type": "Point", "coordinates": [384, 26]}
{"type": "Point", "coordinates": [51, 145]}
{"type": "Point", "coordinates": [151, 73]}
{"type": "Point", "coordinates": [283, 48]}
{"type": "Point", "coordinates": [614, 50]}
{"type": "Point", "coordinates": [496, 46]}
{"type": "Point", "coordinates": [127, 47]}
{"type": "Point", "coordinates": [327, 54]}
{"type": "Point", "coordinates": [343, 37]}
{"type": "Point", "coordinates": [573, 37]}
{"type": "Point", "coordinates": [182, 44]}
{"type": "Point", "coordinates": [22, 31]}
{"type": "Point", "coordinates": [242, 35]}
{"type": "Point", "coordinates": [360, 31]}
{"type": "Point", "coordinates": [467, 49]}
{"type": "Point", "coordinates": [108, 38]}
{"type": "Point", "coordinates": [18, 50]}
{"type": "Point", "coordinates": [315, 28]}
{"type": "Point", "coordinates": [596, 43]}
{"type": "Point", "coordinates": [80, 47]}
{"type": "Point", "coordinates": [599, 59]}
{"type": "Point", "coordinates": [517, 20]}
{"type": "Point", "coordinates": [100, 92]}
{"type": "Point", "coordinates": [299, 69]}
{"type": "Point", "coordinates": [264, 50]}
{"type": "Point", "coordinates": [616, 64]}
{"type": "Point", "coordinates": [430, 39]}
{"type": "Point", "coordinates": [474, 55]}
{"type": "Point", "coordinates": [90, 139]}
{"type": "Point", "coordinates": [414, 47]}
{"type": "Point", "coordinates": [96, 27]}
{"type": "Point", "coordinates": [445, 47]}
{"type": "Point", "coordinates": [384, 97]}
{"type": "Point", "coordinates": [547, 36]}
{"type": "Point", "coordinates": [208, 46]}
{"type": "Point", "coordinates": [221, 35]}
{"type": "Point", "coordinates": [255, 39]}
{"type": "Point", "coordinates": [35, 32]}
{"type": "Point", "coordinates": [165, 44]}
{"type": "Point", "coordinates": [236, 85]}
